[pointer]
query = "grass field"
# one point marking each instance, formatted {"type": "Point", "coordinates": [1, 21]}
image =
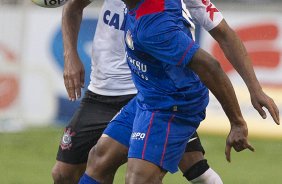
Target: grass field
{"type": "Point", "coordinates": [27, 158]}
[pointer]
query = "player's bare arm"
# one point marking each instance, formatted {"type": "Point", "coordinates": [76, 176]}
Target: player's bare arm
{"type": "Point", "coordinates": [73, 67]}
{"type": "Point", "coordinates": [212, 75]}
{"type": "Point", "coordinates": [237, 55]}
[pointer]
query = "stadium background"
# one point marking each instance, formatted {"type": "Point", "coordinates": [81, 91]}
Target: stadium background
{"type": "Point", "coordinates": [32, 93]}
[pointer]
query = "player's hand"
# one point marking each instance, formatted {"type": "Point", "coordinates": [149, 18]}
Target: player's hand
{"type": "Point", "coordinates": [259, 100]}
{"type": "Point", "coordinates": [238, 139]}
{"type": "Point", "coordinates": [73, 77]}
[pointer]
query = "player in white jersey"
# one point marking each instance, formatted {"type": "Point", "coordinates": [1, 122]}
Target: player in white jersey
{"type": "Point", "coordinates": [109, 90]}
{"type": "Point", "coordinates": [110, 75]}
{"type": "Point", "coordinates": [103, 81]}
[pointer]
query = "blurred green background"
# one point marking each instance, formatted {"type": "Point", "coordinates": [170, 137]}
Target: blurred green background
{"type": "Point", "coordinates": [28, 156]}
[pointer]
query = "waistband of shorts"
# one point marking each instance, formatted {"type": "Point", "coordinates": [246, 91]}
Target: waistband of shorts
{"type": "Point", "coordinates": [108, 99]}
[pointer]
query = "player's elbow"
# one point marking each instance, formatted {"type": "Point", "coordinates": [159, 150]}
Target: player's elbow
{"type": "Point", "coordinates": [205, 66]}
{"type": "Point", "coordinates": [213, 72]}
{"type": "Point", "coordinates": [214, 67]}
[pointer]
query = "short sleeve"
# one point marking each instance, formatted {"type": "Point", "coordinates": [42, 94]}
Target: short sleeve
{"type": "Point", "coordinates": [204, 13]}
{"type": "Point", "coordinates": [164, 39]}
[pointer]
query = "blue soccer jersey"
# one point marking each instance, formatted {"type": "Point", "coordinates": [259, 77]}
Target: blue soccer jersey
{"type": "Point", "coordinates": [158, 48]}
{"type": "Point", "coordinates": [157, 124]}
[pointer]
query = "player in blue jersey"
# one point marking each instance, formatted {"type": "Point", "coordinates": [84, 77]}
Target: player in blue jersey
{"type": "Point", "coordinates": [110, 88]}
{"type": "Point", "coordinates": [166, 68]}
{"type": "Point", "coordinates": [65, 170]}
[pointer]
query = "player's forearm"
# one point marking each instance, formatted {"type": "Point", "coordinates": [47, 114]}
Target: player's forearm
{"type": "Point", "coordinates": [212, 75]}
{"type": "Point", "coordinates": [237, 55]}
{"type": "Point", "coordinates": [71, 20]}
{"type": "Point", "coordinates": [222, 89]}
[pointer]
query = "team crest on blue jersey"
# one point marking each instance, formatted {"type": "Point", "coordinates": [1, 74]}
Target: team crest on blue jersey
{"type": "Point", "coordinates": [128, 40]}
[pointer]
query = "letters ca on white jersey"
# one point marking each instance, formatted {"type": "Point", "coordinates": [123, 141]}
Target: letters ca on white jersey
{"type": "Point", "coordinates": [204, 13]}
{"type": "Point", "coordinates": [110, 74]}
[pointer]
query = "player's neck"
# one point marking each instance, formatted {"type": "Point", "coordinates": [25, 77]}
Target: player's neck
{"type": "Point", "coordinates": [131, 3]}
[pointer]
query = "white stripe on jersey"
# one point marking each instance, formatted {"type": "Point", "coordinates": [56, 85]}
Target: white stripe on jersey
{"type": "Point", "coordinates": [192, 139]}
{"type": "Point", "coordinates": [187, 16]}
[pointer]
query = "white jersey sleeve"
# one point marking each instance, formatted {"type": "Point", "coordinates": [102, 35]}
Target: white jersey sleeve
{"type": "Point", "coordinates": [204, 13]}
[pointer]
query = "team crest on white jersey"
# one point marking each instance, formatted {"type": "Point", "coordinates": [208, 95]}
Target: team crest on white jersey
{"type": "Point", "coordinates": [128, 40]}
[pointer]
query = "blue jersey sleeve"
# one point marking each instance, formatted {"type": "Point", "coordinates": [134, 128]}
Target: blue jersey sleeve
{"type": "Point", "coordinates": [163, 38]}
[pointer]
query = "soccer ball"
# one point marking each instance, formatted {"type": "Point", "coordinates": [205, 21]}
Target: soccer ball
{"type": "Point", "coordinates": [49, 3]}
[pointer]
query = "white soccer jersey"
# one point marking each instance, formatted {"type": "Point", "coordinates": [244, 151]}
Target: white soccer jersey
{"type": "Point", "coordinates": [110, 74]}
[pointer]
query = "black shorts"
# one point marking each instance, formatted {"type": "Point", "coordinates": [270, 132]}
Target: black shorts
{"type": "Point", "coordinates": [88, 123]}
{"type": "Point", "coordinates": [194, 144]}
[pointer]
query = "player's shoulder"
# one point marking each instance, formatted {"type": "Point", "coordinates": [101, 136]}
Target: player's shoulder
{"type": "Point", "coordinates": [200, 6]}
{"type": "Point", "coordinates": [204, 13]}
{"type": "Point", "coordinates": [156, 24]}
{"type": "Point", "coordinates": [197, 3]}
